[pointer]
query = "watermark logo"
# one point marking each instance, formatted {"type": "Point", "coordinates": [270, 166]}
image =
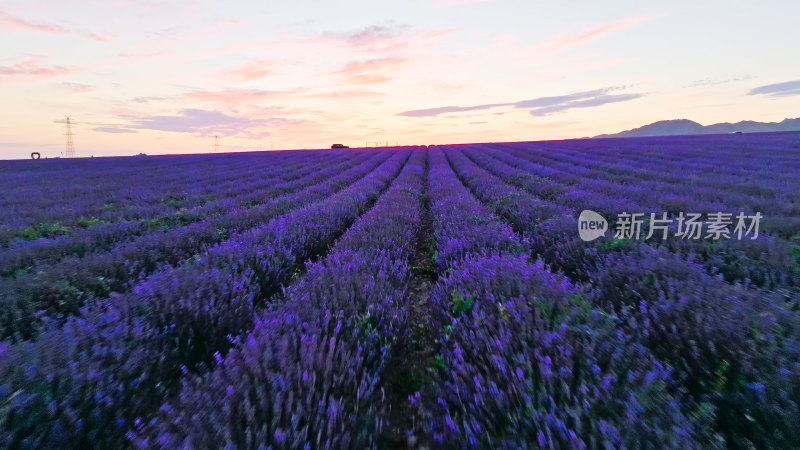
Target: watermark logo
{"type": "Point", "coordinates": [716, 226]}
{"type": "Point", "coordinates": [591, 225]}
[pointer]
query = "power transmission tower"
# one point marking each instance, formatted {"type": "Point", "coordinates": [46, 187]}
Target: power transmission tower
{"type": "Point", "coordinates": [70, 152]}
{"type": "Point", "coordinates": [216, 144]}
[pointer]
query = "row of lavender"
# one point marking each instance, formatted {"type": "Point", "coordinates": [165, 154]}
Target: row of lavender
{"type": "Point", "coordinates": [253, 190]}
{"type": "Point", "coordinates": [770, 261]}
{"type": "Point", "coordinates": [89, 381]}
{"type": "Point", "coordinates": [242, 188]}
{"type": "Point", "coordinates": [525, 360]}
{"type": "Point", "coordinates": [733, 348]}
{"type": "Point", "coordinates": [669, 185]}
{"type": "Point", "coordinates": [746, 165]}
{"type": "Point", "coordinates": [63, 285]}
{"type": "Point", "coordinates": [311, 373]}
{"type": "Point", "coordinates": [102, 188]}
{"type": "Point", "coordinates": [759, 176]}
{"type": "Point", "coordinates": [69, 196]}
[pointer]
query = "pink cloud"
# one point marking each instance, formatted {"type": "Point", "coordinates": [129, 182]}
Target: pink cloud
{"type": "Point", "coordinates": [354, 93]}
{"type": "Point", "coordinates": [249, 72]}
{"type": "Point", "coordinates": [570, 40]}
{"type": "Point", "coordinates": [369, 71]}
{"type": "Point", "coordinates": [377, 41]}
{"type": "Point", "coordinates": [32, 69]}
{"type": "Point", "coordinates": [447, 86]}
{"type": "Point", "coordinates": [231, 96]}
{"type": "Point", "coordinates": [77, 88]}
{"type": "Point", "coordinates": [106, 37]}
{"type": "Point", "coordinates": [367, 79]}
{"type": "Point", "coordinates": [296, 114]}
{"type": "Point", "coordinates": [372, 65]}
{"type": "Point", "coordinates": [8, 21]}
{"type": "Point", "coordinates": [12, 22]}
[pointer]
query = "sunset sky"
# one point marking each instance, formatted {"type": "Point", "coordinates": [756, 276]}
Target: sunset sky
{"type": "Point", "coordinates": [166, 76]}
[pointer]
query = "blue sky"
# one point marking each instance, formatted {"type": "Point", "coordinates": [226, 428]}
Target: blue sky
{"type": "Point", "coordinates": [165, 77]}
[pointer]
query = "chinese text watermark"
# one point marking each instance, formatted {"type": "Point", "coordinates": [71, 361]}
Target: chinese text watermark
{"type": "Point", "coordinates": [714, 226]}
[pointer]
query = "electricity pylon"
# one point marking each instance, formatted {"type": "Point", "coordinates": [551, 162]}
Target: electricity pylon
{"type": "Point", "coordinates": [70, 152]}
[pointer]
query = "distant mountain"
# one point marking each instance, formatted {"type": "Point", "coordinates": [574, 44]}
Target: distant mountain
{"type": "Point", "coordinates": [684, 126]}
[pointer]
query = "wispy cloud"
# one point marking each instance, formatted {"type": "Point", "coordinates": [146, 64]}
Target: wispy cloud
{"type": "Point", "coordinates": [717, 81]}
{"type": "Point", "coordinates": [77, 88]}
{"type": "Point", "coordinates": [142, 56]}
{"type": "Point", "coordinates": [540, 106]}
{"type": "Point", "coordinates": [778, 89]}
{"type": "Point", "coordinates": [231, 96]}
{"type": "Point", "coordinates": [371, 71]}
{"type": "Point", "coordinates": [372, 65]}
{"type": "Point", "coordinates": [209, 122]}
{"type": "Point", "coordinates": [371, 78]}
{"type": "Point", "coordinates": [567, 40]}
{"type": "Point", "coordinates": [450, 109]}
{"type": "Point", "coordinates": [587, 100]}
{"type": "Point", "coordinates": [371, 35]}
{"type": "Point", "coordinates": [105, 37]}
{"type": "Point", "coordinates": [9, 21]}
{"type": "Point", "coordinates": [345, 94]}
{"type": "Point", "coordinates": [112, 130]}
{"type": "Point", "coordinates": [32, 68]}
{"type": "Point", "coordinates": [252, 71]}
{"type": "Point", "coordinates": [148, 99]}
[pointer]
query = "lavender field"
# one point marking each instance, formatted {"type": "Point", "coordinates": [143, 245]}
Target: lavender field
{"type": "Point", "coordinates": [405, 297]}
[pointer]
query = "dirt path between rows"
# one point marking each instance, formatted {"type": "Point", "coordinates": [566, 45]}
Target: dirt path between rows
{"type": "Point", "coordinates": [408, 370]}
